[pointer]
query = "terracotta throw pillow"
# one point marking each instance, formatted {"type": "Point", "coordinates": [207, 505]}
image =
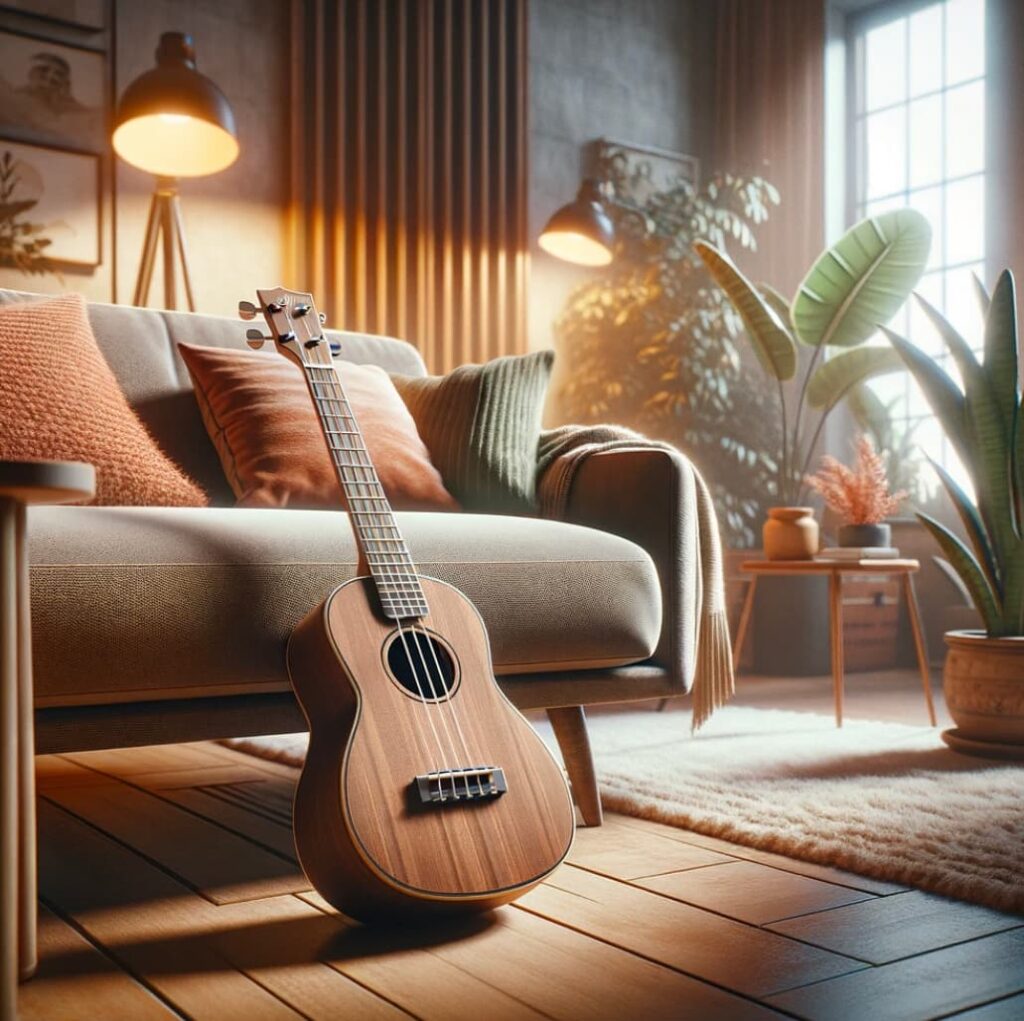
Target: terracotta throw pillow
{"type": "Point", "coordinates": [481, 424]}
{"type": "Point", "coordinates": [259, 415]}
{"type": "Point", "coordinates": [60, 401]}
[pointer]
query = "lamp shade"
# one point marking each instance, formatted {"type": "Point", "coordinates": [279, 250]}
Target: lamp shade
{"type": "Point", "coordinates": [581, 232]}
{"type": "Point", "coordinates": [172, 120]}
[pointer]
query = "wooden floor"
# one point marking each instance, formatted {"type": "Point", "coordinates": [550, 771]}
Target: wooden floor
{"type": "Point", "coordinates": [169, 889]}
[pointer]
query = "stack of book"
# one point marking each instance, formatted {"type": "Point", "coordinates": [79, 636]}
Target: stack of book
{"type": "Point", "coordinates": [858, 553]}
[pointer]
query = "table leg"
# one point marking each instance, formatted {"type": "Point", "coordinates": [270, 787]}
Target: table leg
{"type": "Point", "coordinates": [919, 643]}
{"type": "Point", "coordinates": [27, 886]}
{"type": "Point", "coordinates": [835, 592]}
{"type": "Point", "coordinates": [744, 622]}
{"type": "Point", "coordinates": [8, 761]}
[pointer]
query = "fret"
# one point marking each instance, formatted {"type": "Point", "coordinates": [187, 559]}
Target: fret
{"type": "Point", "coordinates": [370, 512]}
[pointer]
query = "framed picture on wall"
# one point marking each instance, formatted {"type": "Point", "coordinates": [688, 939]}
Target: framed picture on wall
{"type": "Point", "coordinates": [50, 198]}
{"type": "Point", "coordinates": [52, 93]}
{"type": "Point", "coordinates": [87, 14]}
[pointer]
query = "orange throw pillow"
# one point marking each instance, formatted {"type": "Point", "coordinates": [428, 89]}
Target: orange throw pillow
{"type": "Point", "coordinates": [260, 417]}
{"type": "Point", "coordinates": [59, 401]}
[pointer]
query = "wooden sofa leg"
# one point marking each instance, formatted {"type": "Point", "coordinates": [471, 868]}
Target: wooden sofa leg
{"type": "Point", "coordinates": [570, 726]}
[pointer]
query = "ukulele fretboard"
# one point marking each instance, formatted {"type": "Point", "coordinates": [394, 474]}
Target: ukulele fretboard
{"type": "Point", "coordinates": [377, 532]}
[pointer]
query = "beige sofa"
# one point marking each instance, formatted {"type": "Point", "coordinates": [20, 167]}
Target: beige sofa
{"type": "Point", "coordinates": [155, 625]}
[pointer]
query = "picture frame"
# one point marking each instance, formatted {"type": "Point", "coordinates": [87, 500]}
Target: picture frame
{"type": "Point", "coordinates": [52, 198]}
{"type": "Point", "coordinates": [52, 93]}
{"type": "Point", "coordinates": [90, 15]}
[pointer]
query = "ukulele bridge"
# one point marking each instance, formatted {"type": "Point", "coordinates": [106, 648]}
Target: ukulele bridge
{"type": "Point", "coordinates": [472, 783]}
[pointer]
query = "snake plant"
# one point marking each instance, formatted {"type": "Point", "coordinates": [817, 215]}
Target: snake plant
{"type": "Point", "coordinates": [859, 283]}
{"type": "Point", "coordinates": [982, 419]}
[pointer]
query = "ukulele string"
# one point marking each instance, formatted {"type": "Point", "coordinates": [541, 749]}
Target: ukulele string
{"type": "Point", "coordinates": [366, 477]}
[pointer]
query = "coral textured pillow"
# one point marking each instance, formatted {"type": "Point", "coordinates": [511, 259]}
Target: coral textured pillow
{"type": "Point", "coordinates": [260, 417]}
{"type": "Point", "coordinates": [60, 401]}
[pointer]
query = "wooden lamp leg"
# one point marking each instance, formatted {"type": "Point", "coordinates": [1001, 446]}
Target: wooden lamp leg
{"type": "Point", "coordinates": [570, 726]}
{"type": "Point", "coordinates": [835, 591]}
{"type": "Point", "coordinates": [919, 643]}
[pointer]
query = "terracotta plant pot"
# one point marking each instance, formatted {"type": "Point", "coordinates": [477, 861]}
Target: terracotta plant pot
{"type": "Point", "coordinates": [984, 687]}
{"type": "Point", "coordinates": [865, 535]}
{"type": "Point", "coordinates": [790, 533]}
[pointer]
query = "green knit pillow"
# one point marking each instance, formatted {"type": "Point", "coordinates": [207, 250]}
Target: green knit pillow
{"type": "Point", "coordinates": [481, 424]}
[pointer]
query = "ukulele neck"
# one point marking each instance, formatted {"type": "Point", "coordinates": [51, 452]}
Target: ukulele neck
{"type": "Point", "coordinates": [373, 520]}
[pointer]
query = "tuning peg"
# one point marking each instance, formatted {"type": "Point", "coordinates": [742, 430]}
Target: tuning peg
{"type": "Point", "coordinates": [323, 318]}
{"type": "Point", "coordinates": [247, 310]}
{"type": "Point", "coordinates": [302, 310]}
{"type": "Point", "coordinates": [255, 339]}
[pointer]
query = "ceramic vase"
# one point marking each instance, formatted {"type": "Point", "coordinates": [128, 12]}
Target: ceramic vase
{"type": "Point", "coordinates": [865, 535]}
{"type": "Point", "coordinates": [790, 533]}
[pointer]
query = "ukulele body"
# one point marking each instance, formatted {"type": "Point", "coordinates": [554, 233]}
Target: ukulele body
{"type": "Point", "coordinates": [378, 828]}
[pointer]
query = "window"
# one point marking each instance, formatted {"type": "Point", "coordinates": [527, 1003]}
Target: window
{"type": "Point", "coordinates": [917, 119]}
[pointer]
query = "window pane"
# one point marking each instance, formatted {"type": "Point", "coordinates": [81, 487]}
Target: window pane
{"type": "Point", "coordinates": [965, 40]}
{"type": "Point", "coordinates": [887, 157]}
{"type": "Point", "coordinates": [926, 141]}
{"type": "Point", "coordinates": [926, 50]}
{"type": "Point", "coordinates": [965, 130]}
{"type": "Point", "coordinates": [965, 221]}
{"type": "Point", "coordinates": [962, 304]}
{"type": "Point", "coordinates": [928, 203]}
{"type": "Point", "coordinates": [885, 57]}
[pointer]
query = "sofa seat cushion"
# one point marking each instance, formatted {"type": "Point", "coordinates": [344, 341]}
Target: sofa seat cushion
{"type": "Point", "coordinates": [155, 603]}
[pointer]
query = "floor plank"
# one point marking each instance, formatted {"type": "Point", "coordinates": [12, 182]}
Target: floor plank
{"type": "Point", "coordinates": [888, 928]}
{"type": "Point", "coordinates": [76, 981]}
{"type": "Point", "coordinates": [1010, 1009]}
{"type": "Point", "coordinates": [625, 852]}
{"type": "Point", "coordinates": [753, 893]}
{"type": "Point", "coordinates": [825, 873]}
{"type": "Point", "coordinates": [746, 959]}
{"type": "Point", "coordinates": [221, 865]}
{"type": "Point", "coordinates": [917, 988]}
{"type": "Point", "coordinates": [152, 759]}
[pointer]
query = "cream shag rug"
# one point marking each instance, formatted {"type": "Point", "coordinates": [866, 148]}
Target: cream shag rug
{"type": "Point", "coordinates": [880, 799]}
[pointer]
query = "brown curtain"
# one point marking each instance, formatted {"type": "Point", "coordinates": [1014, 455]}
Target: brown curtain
{"type": "Point", "coordinates": [408, 194]}
{"type": "Point", "coordinates": [770, 121]}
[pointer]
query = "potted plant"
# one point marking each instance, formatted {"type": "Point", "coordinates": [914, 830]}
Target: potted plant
{"type": "Point", "coordinates": [982, 418]}
{"type": "Point", "coordinates": [859, 495]}
{"type": "Point", "coordinates": [857, 284]}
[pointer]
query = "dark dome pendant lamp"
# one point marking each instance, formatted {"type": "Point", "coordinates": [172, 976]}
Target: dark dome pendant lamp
{"type": "Point", "coordinates": [173, 122]}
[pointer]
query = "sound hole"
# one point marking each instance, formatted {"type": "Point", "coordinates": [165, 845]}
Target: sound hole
{"type": "Point", "coordinates": [421, 664]}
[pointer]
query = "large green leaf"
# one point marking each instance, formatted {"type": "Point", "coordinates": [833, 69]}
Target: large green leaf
{"type": "Point", "coordinates": [777, 304]}
{"type": "Point", "coordinates": [970, 573]}
{"type": "Point", "coordinates": [973, 525]}
{"type": "Point", "coordinates": [1001, 347]}
{"type": "Point", "coordinates": [966, 360]}
{"type": "Point", "coordinates": [771, 341]}
{"type": "Point", "coordinates": [861, 282]}
{"type": "Point", "coordinates": [944, 396]}
{"type": "Point", "coordinates": [831, 381]}
{"type": "Point", "coordinates": [981, 294]}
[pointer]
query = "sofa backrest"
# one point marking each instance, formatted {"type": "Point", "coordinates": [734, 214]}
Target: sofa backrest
{"type": "Point", "coordinates": [141, 347]}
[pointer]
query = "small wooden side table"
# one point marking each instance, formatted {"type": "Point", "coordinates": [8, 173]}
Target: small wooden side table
{"type": "Point", "coordinates": [835, 569]}
{"type": "Point", "coordinates": [21, 483]}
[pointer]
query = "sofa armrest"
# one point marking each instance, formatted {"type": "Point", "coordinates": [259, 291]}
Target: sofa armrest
{"type": "Point", "coordinates": [641, 493]}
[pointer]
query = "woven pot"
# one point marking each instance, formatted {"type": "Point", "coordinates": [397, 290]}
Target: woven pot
{"type": "Point", "coordinates": [983, 683]}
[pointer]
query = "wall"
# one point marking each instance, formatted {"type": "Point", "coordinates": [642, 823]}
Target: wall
{"type": "Point", "coordinates": [633, 70]}
{"type": "Point", "coordinates": [235, 221]}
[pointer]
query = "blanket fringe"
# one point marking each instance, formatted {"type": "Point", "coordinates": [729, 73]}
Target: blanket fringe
{"type": "Point", "coordinates": [714, 681]}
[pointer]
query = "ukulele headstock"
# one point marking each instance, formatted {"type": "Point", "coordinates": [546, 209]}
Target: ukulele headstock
{"type": "Point", "coordinates": [296, 327]}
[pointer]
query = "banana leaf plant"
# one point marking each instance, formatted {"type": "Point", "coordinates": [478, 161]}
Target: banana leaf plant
{"type": "Point", "coordinates": [981, 416]}
{"type": "Point", "coordinates": [856, 285]}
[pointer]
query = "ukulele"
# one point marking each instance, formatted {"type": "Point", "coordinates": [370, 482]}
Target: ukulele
{"type": "Point", "coordinates": [424, 789]}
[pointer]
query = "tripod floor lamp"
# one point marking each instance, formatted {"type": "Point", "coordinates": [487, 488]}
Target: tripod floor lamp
{"type": "Point", "coordinates": [173, 122]}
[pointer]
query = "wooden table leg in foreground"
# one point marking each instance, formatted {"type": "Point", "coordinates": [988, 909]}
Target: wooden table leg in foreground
{"type": "Point", "coordinates": [914, 612]}
{"type": "Point", "coordinates": [10, 912]}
